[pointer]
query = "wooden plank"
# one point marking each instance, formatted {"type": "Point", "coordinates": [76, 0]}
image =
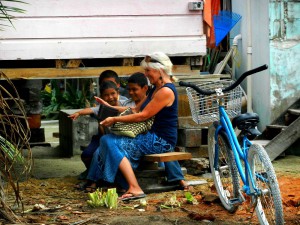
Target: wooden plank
{"type": "Point", "coordinates": [105, 27]}
{"type": "Point", "coordinates": [261, 142]}
{"type": "Point", "coordinates": [276, 126]}
{"type": "Point", "coordinates": [40, 8]}
{"type": "Point", "coordinates": [294, 111]}
{"type": "Point", "coordinates": [169, 156]}
{"type": "Point", "coordinates": [283, 140]}
{"type": "Point", "coordinates": [90, 48]}
{"type": "Point", "coordinates": [209, 77]}
{"type": "Point", "coordinates": [83, 72]}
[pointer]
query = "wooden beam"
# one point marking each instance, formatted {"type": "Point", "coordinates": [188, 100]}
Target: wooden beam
{"type": "Point", "coordinates": [85, 72]}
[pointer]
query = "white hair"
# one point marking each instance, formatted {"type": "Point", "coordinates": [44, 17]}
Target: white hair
{"type": "Point", "coordinates": [163, 62]}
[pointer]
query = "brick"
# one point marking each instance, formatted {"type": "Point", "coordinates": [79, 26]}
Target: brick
{"type": "Point", "coordinates": [189, 137]}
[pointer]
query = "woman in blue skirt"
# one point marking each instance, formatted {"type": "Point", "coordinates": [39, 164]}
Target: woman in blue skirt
{"type": "Point", "coordinates": [120, 154]}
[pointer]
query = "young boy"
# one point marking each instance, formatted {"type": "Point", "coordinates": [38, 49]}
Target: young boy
{"type": "Point", "coordinates": [113, 76]}
{"type": "Point", "coordinates": [137, 88]}
{"type": "Point", "coordinates": [110, 93]}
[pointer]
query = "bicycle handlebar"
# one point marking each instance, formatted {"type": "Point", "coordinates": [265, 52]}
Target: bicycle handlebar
{"type": "Point", "coordinates": [226, 89]}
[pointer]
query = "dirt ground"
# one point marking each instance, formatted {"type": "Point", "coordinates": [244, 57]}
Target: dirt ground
{"type": "Point", "coordinates": [65, 205]}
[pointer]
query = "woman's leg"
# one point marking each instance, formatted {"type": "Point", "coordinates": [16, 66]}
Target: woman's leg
{"type": "Point", "coordinates": [173, 171]}
{"type": "Point", "coordinates": [174, 174]}
{"type": "Point", "coordinates": [127, 171]}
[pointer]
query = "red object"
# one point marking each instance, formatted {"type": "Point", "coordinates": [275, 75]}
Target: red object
{"type": "Point", "coordinates": [211, 8]}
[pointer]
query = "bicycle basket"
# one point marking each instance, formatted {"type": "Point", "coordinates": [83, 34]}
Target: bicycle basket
{"type": "Point", "coordinates": [203, 107]}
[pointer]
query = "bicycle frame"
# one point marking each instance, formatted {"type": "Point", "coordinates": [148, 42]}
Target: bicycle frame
{"type": "Point", "coordinates": [240, 154]}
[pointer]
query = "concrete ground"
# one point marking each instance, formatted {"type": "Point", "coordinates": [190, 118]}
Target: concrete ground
{"type": "Point", "coordinates": [47, 160]}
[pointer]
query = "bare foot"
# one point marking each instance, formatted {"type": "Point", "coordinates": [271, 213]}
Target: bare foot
{"type": "Point", "coordinates": [185, 186]}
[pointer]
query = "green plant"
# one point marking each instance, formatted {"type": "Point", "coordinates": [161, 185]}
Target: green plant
{"type": "Point", "coordinates": [56, 99]}
{"type": "Point", "coordinates": [99, 198]}
{"type": "Point", "coordinates": [6, 10]}
{"type": "Point", "coordinates": [190, 199]}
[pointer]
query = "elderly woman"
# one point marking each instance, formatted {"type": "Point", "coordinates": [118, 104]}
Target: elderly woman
{"type": "Point", "coordinates": [120, 153]}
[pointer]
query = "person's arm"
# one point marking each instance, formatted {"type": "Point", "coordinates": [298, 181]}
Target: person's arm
{"type": "Point", "coordinates": [119, 108]}
{"type": "Point", "coordinates": [164, 97]}
{"type": "Point", "coordinates": [86, 111]}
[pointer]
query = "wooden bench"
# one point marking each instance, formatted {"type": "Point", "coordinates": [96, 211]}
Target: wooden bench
{"type": "Point", "coordinates": [151, 176]}
{"type": "Point", "coordinates": [150, 162]}
{"type": "Point", "coordinates": [167, 157]}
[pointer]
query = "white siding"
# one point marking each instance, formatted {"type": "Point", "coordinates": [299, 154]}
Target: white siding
{"type": "Point", "coordinates": [66, 29]}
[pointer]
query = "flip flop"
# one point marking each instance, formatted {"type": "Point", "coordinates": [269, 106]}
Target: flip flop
{"type": "Point", "coordinates": [133, 196]}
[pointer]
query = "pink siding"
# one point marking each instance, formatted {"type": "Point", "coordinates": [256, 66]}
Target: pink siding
{"type": "Point", "coordinates": [56, 29]}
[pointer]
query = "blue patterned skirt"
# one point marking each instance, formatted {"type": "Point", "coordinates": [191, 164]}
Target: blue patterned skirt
{"type": "Point", "coordinates": [114, 148]}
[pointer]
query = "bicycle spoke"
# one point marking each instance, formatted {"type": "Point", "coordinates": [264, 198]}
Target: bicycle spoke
{"type": "Point", "coordinates": [225, 174]}
{"type": "Point", "coordinates": [268, 207]}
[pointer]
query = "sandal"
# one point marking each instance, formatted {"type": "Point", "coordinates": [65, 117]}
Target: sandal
{"type": "Point", "coordinates": [81, 185]}
{"type": "Point", "coordinates": [90, 189]}
{"type": "Point", "coordinates": [132, 196]}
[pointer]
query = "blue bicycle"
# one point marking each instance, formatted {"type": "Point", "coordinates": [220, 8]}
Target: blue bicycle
{"type": "Point", "coordinates": [241, 169]}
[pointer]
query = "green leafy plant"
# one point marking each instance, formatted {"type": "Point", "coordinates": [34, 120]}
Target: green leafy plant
{"type": "Point", "coordinates": [11, 150]}
{"type": "Point", "coordinates": [171, 203]}
{"type": "Point", "coordinates": [56, 99]}
{"type": "Point", "coordinates": [108, 199]}
{"type": "Point", "coordinates": [190, 198]}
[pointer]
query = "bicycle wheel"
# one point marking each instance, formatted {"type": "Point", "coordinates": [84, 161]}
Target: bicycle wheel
{"type": "Point", "coordinates": [225, 175]}
{"type": "Point", "coordinates": [268, 203]}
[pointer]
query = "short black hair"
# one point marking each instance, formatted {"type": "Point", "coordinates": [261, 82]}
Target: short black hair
{"type": "Point", "coordinates": [109, 74]}
{"type": "Point", "coordinates": [139, 79]}
{"type": "Point", "coordinates": [106, 85]}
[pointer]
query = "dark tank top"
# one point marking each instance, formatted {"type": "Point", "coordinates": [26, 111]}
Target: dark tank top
{"type": "Point", "coordinates": [166, 120]}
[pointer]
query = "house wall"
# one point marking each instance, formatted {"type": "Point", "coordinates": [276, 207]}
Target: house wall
{"type": "Point", "coordinates": [67, 29]}
{"type": "Point", "coordinates": [254, 52]}
{"type": "Point", "coordinates": [284, 55]}
{"type": "Point", "coordinates": [275, 35]}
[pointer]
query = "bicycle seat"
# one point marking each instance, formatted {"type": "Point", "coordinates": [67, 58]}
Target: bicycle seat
{"type": "Point", "coordinates": [247, 123]}
{"type": "Point", "coordinates": [244, 120]}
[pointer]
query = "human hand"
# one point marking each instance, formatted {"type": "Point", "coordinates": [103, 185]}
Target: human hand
{"type": "Point", "coordinates": [108, 121]}
{"type": "Point", "coordinates": [74, 116]}
{"type": "Point", "coordinates": [101, 101]}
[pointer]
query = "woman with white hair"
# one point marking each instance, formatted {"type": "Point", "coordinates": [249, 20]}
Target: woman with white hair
{"type": "Point", "coordinates": [120, 153]}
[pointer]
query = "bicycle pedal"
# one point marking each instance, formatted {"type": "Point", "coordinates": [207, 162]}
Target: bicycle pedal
{"type": "Point", "coordinates": [235, 201]}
